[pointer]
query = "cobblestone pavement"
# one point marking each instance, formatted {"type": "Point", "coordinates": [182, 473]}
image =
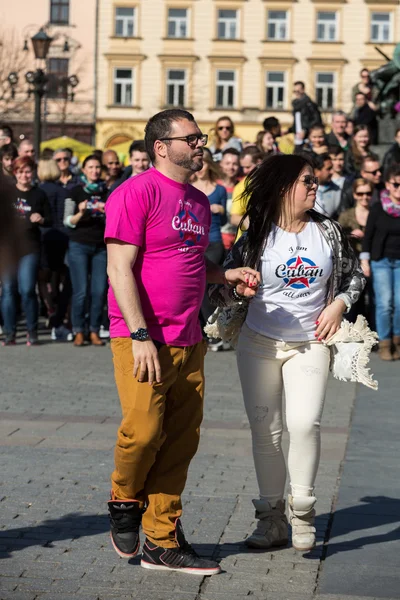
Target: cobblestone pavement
{"type": "Point", "coordinates": [59, 414]}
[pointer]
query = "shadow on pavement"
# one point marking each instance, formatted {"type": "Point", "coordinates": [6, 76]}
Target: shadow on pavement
{"type": "Point", "coordinates": [69, 527]}
{"type": "Point", "coordinates": [375, 512]}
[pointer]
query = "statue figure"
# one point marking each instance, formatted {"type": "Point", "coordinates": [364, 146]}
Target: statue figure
{"type": "Point", "coordinates": [386, 80]}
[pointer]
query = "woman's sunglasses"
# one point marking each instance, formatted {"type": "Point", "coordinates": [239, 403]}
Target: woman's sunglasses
{"type": "Point", "coordinates": [310, 180]}
{"type": "Point", "coordinates": [394, 184]}
{"type": "Point", "coordinates": [369, 194]}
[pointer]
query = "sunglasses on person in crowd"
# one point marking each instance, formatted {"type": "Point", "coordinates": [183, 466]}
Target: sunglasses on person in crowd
{"type": "Point", "coordinates": [227, 127]}
{"type": "Point", "coordinates": [65, 158]}
{"type": "Point", "coordinates": [310, 180]}
{"type": "Point", "coordinates": [369, 194]}
{"type": "Point", "coordinates": [375, 172]}
{"type": "Point", "coordinates": [191, 140]}
{"type": "Point", "coordinates": [394, 184]}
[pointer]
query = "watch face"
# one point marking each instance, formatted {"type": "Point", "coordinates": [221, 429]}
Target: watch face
{"type": "Point", "coordinates": [141, 335]}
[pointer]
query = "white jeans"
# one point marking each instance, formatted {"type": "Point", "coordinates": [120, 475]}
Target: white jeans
{"type": "Point", "coordinates": [266, 368]}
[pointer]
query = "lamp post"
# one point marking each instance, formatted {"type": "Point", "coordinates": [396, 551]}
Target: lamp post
{"type": "Point", "coordinates": [38, 79]}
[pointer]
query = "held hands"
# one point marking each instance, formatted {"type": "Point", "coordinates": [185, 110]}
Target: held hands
{"type": "Point", "coordinates": [247, 280]}
{"type": "Point", "coordinates": [145, 356]}
{"type": "Point", "coordinates": [358, 233]}
{"type": "Point", "coordinates": [329, 320]}
{"type": "Point", "coordinates": [36, 218]}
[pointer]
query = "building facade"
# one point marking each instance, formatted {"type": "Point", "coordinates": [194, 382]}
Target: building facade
{"type": "Point", "coordinates": [72, 25]}
{"type": "Point", "coordinates": [236, 57]}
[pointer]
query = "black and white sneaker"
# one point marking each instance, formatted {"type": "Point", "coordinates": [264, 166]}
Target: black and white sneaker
{"type": "Point", "coordinates": [125, 520]}
{"type": "Point", "coordinates": [183, 558]}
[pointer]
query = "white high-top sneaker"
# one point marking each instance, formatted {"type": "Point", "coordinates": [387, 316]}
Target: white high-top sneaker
{"type": "Point", "coordinates": [272, 526]}
{"type": "Point", "coordinates": [301, 517]}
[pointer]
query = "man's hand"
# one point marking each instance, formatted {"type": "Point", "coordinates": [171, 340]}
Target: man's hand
{"type": "Point", "coordinates": [247, 280]}
{"type": "Point", "coordinates": [329, 320]}
{"type": "Point", "coordinates": [145, 356]}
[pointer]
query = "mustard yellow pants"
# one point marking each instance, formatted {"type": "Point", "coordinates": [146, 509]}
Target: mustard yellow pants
{"type": "Point", "coordinates": [159, 434]}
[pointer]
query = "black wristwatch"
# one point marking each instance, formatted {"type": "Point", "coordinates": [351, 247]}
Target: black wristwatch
{"type": "Point", "coordinates": [140, 335]}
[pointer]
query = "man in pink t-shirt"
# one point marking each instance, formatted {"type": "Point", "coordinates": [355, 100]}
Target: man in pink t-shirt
{"type": "Point", "coordinates": [156, 233]}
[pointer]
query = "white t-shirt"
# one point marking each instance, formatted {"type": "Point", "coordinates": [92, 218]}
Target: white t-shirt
{"type": "Point", "coordinates": [295, 269]}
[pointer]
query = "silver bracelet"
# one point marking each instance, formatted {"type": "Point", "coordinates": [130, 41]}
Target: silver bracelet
{"type": "Point", "coordinates": [235, 296]}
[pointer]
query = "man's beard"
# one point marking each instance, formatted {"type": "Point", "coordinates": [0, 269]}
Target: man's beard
{"type": "Point", "coordinates": [186, 162]}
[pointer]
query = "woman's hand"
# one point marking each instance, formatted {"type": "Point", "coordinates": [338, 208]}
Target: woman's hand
{"type": "Point", "coordinates": [36, 218]}
{"type": "Point", "coordinates": [82, 206]}
{"type": "Point", "coordinates": [217, 208]}
{"type": "Point", "coordinates": [366, 268]}
{"type": "Point", "coordinates": [329, 320]}
{"type": "Point", "coordinates": [358, 233]}
{"type": "Point", "coordinates": [101, 206]}
{"type": "Point", "coordinates": [247, 280]}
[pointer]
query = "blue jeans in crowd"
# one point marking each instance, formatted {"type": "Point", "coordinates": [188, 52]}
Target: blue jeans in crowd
{"type": "Point", "coordinates": [386, 282]}
{"type": "Point", "coordinates": [85, 260]}
{"type": "Point", "coordinates": [24, 282]}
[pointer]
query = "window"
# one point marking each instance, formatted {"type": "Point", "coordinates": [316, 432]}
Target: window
{"type": "Point", "coordinates": [275, 89]}
{"type": "Point", "coordinates": [277, 25]}
{"type": "Point", "coordinates": [59, 12]}
{"type": "Point", "coordinates": [226, 89]}
{"type": "Point", "coordinates": [178, 23]}
{"type": "Point", "coordinates": [124, 21]}
{"type": "Point", "coordinates": [381, 27]}
{"type": "Point", "coordinates": [123, 87]}
{"type": "Point", "coordinates": [325, 90]}
{"type": "Point", "coordinates": [57, 72]}
{"type": "Point", "coordinates": [176, 87]}
{"type": "Point", "coordinates": [327, 26]}
{"type": "Point", "coordinates": [227, 24]}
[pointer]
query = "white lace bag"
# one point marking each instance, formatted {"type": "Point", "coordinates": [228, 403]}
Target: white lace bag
{"type": "Point", "coordinates": [350, 350]}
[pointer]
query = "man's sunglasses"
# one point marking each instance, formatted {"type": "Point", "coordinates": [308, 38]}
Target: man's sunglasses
{"type": "Point", "coordinates": [310, 180]}
{"type": "Point", "coordinates": [375, 172]}
{"type": "Point", "coordinates": [191, 140]}
{"type": "Point", "coordinates": [62, 158]}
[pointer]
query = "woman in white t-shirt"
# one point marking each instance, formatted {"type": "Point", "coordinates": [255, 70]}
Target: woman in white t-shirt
{"type": "Point", "coordinates": [309, 278]}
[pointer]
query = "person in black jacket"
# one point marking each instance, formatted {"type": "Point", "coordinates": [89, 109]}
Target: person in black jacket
{"type": "Point", "coordinates": [33, 209]}
{"type": "Point", "coordinates": [363, 114]}
{"type": "Point", "coordinates": [392, 156]}
{"type": "Point", "coordinates": [87, 256]}
{"type": "Point", "coordinates": [55, 240]}
{"type": "Point", "coordinates": [381, 256]}
{"type": "Point", "coordinates": [305, 113]}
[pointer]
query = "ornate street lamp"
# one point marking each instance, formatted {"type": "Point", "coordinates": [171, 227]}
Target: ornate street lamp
{"type": "Point", "coordinates": [38, 79]}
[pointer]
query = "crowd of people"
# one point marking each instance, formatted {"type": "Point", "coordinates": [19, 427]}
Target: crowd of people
{"type": "Point", "coordinates": [64, 275]}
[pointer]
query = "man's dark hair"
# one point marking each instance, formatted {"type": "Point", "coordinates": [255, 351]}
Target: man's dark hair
{"type": "Point", "coordinates": [231, 151]}
{"type": "Point", "coordinates": [270, 123]}
{"type": "Point", "coordinates": [300, 83]}
{"type": "Point", "coordinates": [392, 171]}
{"type": "Point", "coordinates": [371, 157]}
{"type": "Point", "coordinates": [318, 160]}
{"type": "Point", "coordinates": [254, 152]}
{"type": "Point", "coordinates": [335, 150]}
{"type": "Point", "coordinates": [7, 130]}
{"type": "Point", "coordinates": [361, 94]}
{"type": "Point", "coordinates": [8, 150]}
{"type": "Point", "coordinates": [137, 146]}
{"type": "Point", "coordinates": [159, 126]}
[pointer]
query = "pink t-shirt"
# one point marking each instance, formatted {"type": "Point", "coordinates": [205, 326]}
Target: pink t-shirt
{"type": "Point", "coordinates": [170, 222]}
